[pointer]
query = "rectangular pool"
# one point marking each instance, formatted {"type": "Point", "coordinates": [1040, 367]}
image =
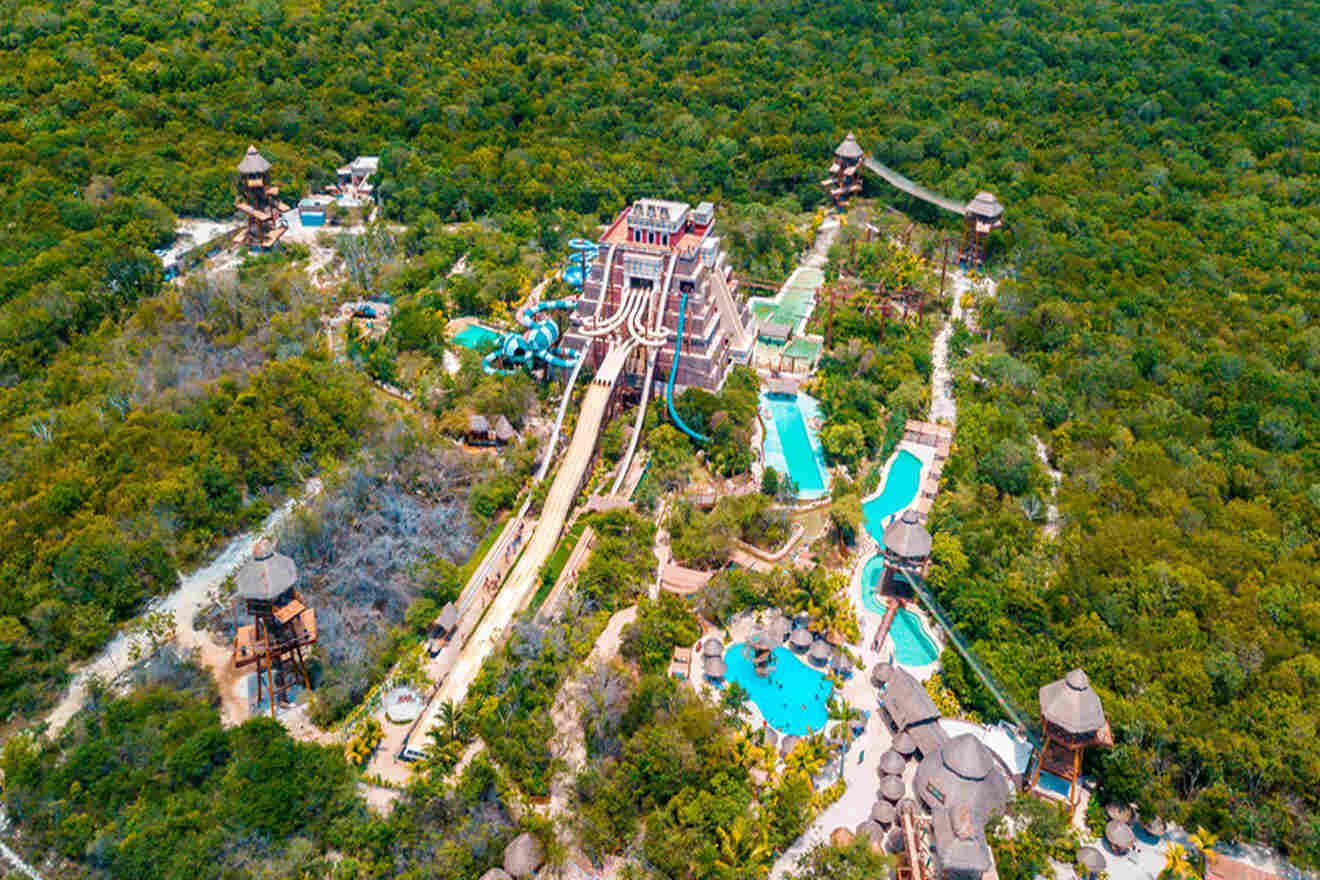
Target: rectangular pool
{"type": "Point", "coordinates": [791, 445]}
{"type": "Point", "coordinates": [477, 337]}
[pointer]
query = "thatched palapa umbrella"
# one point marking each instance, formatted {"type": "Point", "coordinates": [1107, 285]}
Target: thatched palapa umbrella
{"type": "Point", "coordinates": [883, 812]}
{"type": "Point", "coordinates": [892, 788]}
{"type": "Point", "coordinates": [892, 762]}
{"type": "Point", "coordinates": [714, 667]}
{"type": "Point", "coordinates": [800, 639]}
{"type": "Point", "coordinates": [712, 648]}
{"type": "Point", "coordinates": [894, 843]}
{"type": "Point", "coordinates": [1119, 836]}
{"type": "Point", "coordinates": [1091, 859]}
{"type": "Point", "coordinates": [820, 652]}
{"type": "Point", "coordinates": [496, 874]}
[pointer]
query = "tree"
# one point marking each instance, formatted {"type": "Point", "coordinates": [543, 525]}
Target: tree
{"type": "Point", "coordinates": [1204, 841]}
{"type": "Point", "coordinates": [770, 482]}
{"type": "Point", "coordinates": [1176, 863]}
{"type": "Point", "coordinates": [734, 698]}
{"type": "Point", "coordinates": [845, 518]}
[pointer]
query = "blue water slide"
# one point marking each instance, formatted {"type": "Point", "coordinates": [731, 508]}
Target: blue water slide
{"type": "Point", "coordinates": [537, 342]}
{"type": "Point", "coordinates": [673, 374]}
{"type": "Point", "coordinates": [575, 271]}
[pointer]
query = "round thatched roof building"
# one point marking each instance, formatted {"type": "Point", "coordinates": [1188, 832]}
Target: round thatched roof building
{"type": "Point", "coordinates": [963, 771]}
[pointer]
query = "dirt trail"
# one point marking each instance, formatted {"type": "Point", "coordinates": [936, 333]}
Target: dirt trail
{"type": "Point", "coordinates": [194, 592]}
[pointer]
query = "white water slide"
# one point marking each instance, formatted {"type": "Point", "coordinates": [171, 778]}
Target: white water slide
{"type": "Point", "coordinates": [525, 577]}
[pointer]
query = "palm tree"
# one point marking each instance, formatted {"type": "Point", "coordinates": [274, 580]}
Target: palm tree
{"type": "Point", "coordinates": [1204, 841]}
{"type": "Point", "coordinates": [450, 718]}
{"type": "Point", "coordinates": [742, 846]}
{"type": "Point", "coordinates": [1176, 863]}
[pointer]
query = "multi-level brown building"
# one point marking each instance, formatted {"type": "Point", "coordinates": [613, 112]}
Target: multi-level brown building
{"type": "Point", "coordinates": [660, 264]}
{"type": "Point", "coordinates": [260, 204]}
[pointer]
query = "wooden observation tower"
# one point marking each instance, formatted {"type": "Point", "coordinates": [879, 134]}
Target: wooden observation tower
{"type": "Point", "coordinates": [282, 625]}
{"type": "Point", "coordinates": [1073, 719]}
{"type": "Point", "coordinates": [260, 203]}
{"type": "Point", "coordinates": [845, 180]}
{"type": "Point", "coordinates": [984, 213]}
{"type": "Point", "coordinates": [907, 549]}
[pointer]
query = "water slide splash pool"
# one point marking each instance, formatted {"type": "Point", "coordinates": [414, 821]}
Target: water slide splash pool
{"type": "Point", "coordinates": [792, 446]}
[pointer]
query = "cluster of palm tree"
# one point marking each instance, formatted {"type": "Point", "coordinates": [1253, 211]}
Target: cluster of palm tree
{"type": "Point", "coordinates": [447, 738]}
{"type": "Point", "coordinates": [1180, 864]}
{"type": "Point", "coordinates": [822, 595]}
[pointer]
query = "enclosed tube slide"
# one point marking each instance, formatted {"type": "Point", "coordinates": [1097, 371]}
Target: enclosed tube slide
{"type": "Point", "coordinates": [673, 374]}
{"type": "Point", "coordinates": [537, 342]}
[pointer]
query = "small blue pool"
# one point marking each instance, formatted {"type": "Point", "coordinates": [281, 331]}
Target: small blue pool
{"type": "Point", "coordinates": [901, 484]}
{"type": "Point", "coordinates": [477, 337]}
{"type": "Point", "coordinates": [792, 698]}
{"type": "Point", "coordinates": [791, 444]}
{"type": "Point", "coordinates": [871, 574]}
{"type": "Point", "coordinates": [912, 647]}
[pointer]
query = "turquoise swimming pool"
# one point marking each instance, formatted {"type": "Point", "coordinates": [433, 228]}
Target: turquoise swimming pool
{"type": "Point", "coordinates": [476, 337]}
{"type": "Point", "coordinates": [791, 445]}
{"type": "Point", "coordinates": [792, 698]}
{"type": "Point", "coordinates": [871, 572]}
{"type": "Point", "coordinates": [901, 484]}
{"type": "Point", "coordinates": [912, 647]}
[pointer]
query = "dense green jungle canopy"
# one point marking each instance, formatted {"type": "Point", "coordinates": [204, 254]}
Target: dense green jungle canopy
{"type": "Point", "coordinates": [1159, 163]}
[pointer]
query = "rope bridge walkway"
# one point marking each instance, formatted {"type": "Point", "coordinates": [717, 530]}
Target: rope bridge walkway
{"type": "Point", "coordinates": [1011, 708]}
{"type": "Point", "coordinates": [915, 189]}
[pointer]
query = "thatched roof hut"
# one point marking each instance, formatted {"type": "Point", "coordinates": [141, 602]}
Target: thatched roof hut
{"type": "Point", "coordinates": [253, 162]}
{"type": "Point", "coordinates": [892, 788]}
{"type": "Point", "coordinates": [1119, 836]}
{"type": "Point", "coordinates": [523, 856]}
{"type": "Point", "coordinates": [880, 673]}
{"type": "Point", "coordinates": [883, 811]}
{"type": "Point", "coordinates": [894, 843]}
{"type": "Point", "coordinates": [1072, 705]}
{"type": "Point", "coordinates": [960, 841]}
{"type": "Point", "coordinates": [848, 148]}
{"type": "Point", "coordinates": [504, 432]}
{"type": "Point", "coordinates": [963, 771]}
{"type": "Point", "coordinates": [478, 424]}
{"type": "Point", "coordinates": [821, 651]}
{"type": "Point", "coordinates": [906, 538]}
{"type": "Point", "coordinates": [892, 762]}
{"type": "Point", "coordinates": [267, 575]}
